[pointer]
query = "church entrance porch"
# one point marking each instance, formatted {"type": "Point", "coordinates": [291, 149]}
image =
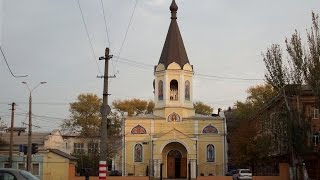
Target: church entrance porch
{"type": "Point", "coordinates": [175, 161]}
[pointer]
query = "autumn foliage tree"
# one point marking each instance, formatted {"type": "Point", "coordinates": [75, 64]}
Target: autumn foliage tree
{"type": "Point", "coordinates": [246, 147]}
{"type": "Point", "coordinates": [302, 68]}
{"type": "Point", "coordinates": [202, 108]}
{"type": "Point", "coordinates": [85, 118]}
{"type": "Point", "coordinates": [134, 106]}
{"type": "Point", "coordinates": [85, 121]}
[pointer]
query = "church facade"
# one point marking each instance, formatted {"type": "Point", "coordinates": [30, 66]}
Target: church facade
{"type": "Point", "coordinates": [174, 141]}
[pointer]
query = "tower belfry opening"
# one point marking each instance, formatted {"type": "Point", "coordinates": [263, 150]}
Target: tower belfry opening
{"type": "Point", "coordinates": [174, 90]}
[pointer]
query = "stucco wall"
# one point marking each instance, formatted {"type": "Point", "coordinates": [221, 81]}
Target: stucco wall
{"type": "Point", "coordinates": [55, 167]}
{"type": "Point", "coordinates": [187, 132]}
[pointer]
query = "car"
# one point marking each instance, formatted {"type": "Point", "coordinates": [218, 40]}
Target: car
{"type": "Point", "coordinates": [16, 174]}
{"type": "Point", "coordinates": [243, 174]}
{"type": "Point", "coordinates": [231, 172]}
{"type": "Point", "coordinates": [115, 173]}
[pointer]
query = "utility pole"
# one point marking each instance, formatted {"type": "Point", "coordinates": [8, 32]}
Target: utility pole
{"type": "Point", "coordinates": [29, 135]}
{"type": "Point", "coordinates": [30, 125]}
{"type": "Point", "coordinates": [105, 110]}
{"type": "Point", "coordinates": [11, 135]}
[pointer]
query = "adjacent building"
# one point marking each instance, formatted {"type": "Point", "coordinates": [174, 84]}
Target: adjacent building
{"type": "Point", "coordinates": [49, 163]}
{"type": "Point", "coordinates": [302, 130]}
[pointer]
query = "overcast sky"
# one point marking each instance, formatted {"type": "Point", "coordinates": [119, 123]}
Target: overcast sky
{"type": "Point", "coordinates": [47, 40]}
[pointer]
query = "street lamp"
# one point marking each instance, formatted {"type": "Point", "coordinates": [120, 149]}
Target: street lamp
{"type": "Point", "coordinates": [30, 124]}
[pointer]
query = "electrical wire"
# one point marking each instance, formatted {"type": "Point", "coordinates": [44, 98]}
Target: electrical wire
{"type": "Point", "coordinates": [105, 23]}
{"type": "Point", "coordinates": [5, 59]}
{"type": "Point", "coordinates": [126, 34]}
{"type": "Point", "coordinates": [224, 77]}
{"type": "Point", "coordinates": [140, 65]}
{"type": "Point", "coordinates": [87, 32]}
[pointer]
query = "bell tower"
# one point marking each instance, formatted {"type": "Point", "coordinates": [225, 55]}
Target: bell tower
{"type": "Point", "coordinates": [173, 75]}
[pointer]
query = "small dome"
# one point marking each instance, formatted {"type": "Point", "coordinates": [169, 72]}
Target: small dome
{"type": "Point", "coordinates": [173, 7]}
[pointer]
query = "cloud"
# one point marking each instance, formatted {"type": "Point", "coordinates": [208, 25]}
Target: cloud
{"type": "Point", "coordinates": [157, 3]}
{"type": "Point", "coordinates": [1, 20]}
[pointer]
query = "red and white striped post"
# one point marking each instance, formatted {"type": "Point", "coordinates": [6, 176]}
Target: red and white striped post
{"type": "Point", "coordinates": [103, 170]}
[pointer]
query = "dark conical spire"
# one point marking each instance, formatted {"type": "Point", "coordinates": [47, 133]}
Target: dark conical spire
{"type": "Point", "coordinates": [173, 49]}
{"type": "Point", "coordinates": [173, 9]}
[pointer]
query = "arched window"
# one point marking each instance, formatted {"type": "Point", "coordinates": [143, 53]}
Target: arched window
{"type": "Point", "coordinates": [160, 90]}
{"type": "Point", "coordinates": [174, 90]}
{"type": "Point", "coordinates": [174, 117]}
{"type": "Point", "coordinates": [138, 153]}
{"type": "Point", "coordinates": [210, 130]}
{"type": "Point", "coordinates": [138, 130]}
{"type": "Point", "coordinates": [210, 153]}
{"type": "Point", "coordinates": [187, 90]}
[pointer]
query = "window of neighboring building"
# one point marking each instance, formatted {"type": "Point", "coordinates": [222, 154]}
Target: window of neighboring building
{"type": "Point", "coordinates": [6, 165]}
{"type": "Point", "coordinates": [138, 150]}
{"type": "Point", "coordinates": [210, 153]}
{"type": "Point", "coordinates": [174, 95]}
{"type": "Point", "coordinates": [21, 166]}
{"type": "Point", "coordinates": [36, 169]}
{"type": "Point", "coordinates": [187, 90]}
{"type": "Point", "coordinates": [78, 148]}
{"type": "Point", "coordinates": [316, 139]}
{"type": "Point", "coordinates": [316, 113]}
{"type": "Point", "coordinates": [160, 90]}
{"type": "Point", "coordinates": [93, 147]}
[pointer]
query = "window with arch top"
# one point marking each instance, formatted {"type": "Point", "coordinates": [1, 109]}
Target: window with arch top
{"type": "Point", "coordinates": [160, 90]}
{"type": "Point", "coordinates": [187, 90]}
{"type": "Point", "coordinates": [174, 90]}
{"type": "Point", "coordinates": [138, 130]}
{"type": "Point", "coordinates": [138, 149]}
{"type": "Point", "coordinates": [210, 130]}
{"type": "Point", "coordinates": [210, 153]}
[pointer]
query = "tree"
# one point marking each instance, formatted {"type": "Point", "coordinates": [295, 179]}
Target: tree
{"type": "Point", "coordinates": [134, 106]}
{"type": "Point", "coordinates": [312, 58]}
{"type": "Point", "coordinates": [202, 108]}
{"type": "Point", "coordinates": [246, 148]}
{"type": "Point", "coordinates": [3, 126]}
{"type": "Point", "coordinates": [86, 121]}
{"type": "Point", "coordinates": [85, 116]}
{"type": "Point", "coordinates": [303, 68]}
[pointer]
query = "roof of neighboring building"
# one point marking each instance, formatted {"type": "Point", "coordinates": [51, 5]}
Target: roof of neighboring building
{"type": "Point", "coordinates": [63, 154]}
{"type": "Point", "coordinates": [22, 138]}
{"type": "Point", "coordinates": [204, 117]}
{"type": "Point", "coordinates": [291, 91]}
{"type": "Point", "coordinates": [173, 49]}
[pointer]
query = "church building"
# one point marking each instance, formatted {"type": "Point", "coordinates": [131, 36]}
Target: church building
{"type": "Point", "coordinates": [174, 141]}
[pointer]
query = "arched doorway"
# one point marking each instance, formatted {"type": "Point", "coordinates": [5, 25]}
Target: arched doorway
{"type": "Point", "coordinates": [175, 155]}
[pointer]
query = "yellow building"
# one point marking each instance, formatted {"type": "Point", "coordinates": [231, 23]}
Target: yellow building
{"type": "Point", "coordinates": [58, 165]}
{"type": "Point", "coordinates": [174, 141]}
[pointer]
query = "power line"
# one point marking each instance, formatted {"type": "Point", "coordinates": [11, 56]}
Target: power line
{"type": "Point", "coordinates": [206, 76]}
{"type": "Point", "coordinates": [87, 32]}
{"type": "Point", "coordinates": [5, 59]}
{"type": "Point", "coordinates": [126, 34]}
{"type": "Point", "coordinates": [224, 77]}
{"type": "Point", "coordinates": [105, 22]}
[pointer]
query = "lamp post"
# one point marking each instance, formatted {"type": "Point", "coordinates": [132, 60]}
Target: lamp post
{"type": "Point", "coordinates": [30, 124]}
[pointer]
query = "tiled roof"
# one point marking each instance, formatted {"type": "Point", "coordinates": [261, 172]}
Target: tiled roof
{"type": "Point", "coordinates": [22, 138]}
{"type": "Point", "coordinates": [63, 154]}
